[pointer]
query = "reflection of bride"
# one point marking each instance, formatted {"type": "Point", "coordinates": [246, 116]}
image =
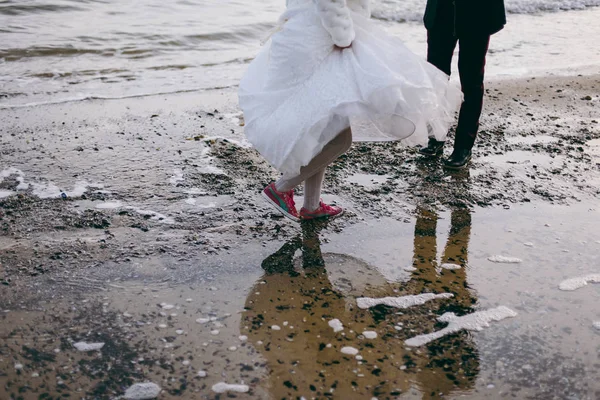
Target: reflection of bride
{"type": "Point", "coordinates": [290, 308]}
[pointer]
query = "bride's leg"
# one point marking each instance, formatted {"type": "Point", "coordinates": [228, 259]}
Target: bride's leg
{"type": "Point", "coordinates": [332, 150]}
{"type": "Point", "coordinates": [312, 190]}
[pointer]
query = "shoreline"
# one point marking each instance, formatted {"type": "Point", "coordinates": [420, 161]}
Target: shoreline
{"type": "Point", "coordinates": [162, 245]}
{"type": "Point", "coordinates": [529, 46]}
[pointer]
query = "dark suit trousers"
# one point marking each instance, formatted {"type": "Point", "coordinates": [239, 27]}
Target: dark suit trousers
{"type": "Point", "coordinates": [441, 43]}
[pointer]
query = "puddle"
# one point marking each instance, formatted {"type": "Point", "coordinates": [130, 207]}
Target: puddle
{"type": "Point", "coordinates": [282, 320]}
{"type": "Point", "coordinates": [368, 181]}
{"type": "Point", "coordinates": [529, 140]}
{"type": "Point", "coordinates": [525, 158]}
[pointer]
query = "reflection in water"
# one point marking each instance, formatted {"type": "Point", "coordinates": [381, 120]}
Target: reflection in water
{"type": "Point", "coordinates": [290, 307]}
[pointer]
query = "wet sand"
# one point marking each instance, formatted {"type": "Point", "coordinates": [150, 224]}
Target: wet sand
{"type": "Point", "coordinates": [162, 250]}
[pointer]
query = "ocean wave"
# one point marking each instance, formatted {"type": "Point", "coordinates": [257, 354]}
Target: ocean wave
{"type": "Point", "coordinates": [412, 10]}
{"type": "Point", "coordinates": [14, 8]}
{"type": "Point", "coordinates": [99, 97]}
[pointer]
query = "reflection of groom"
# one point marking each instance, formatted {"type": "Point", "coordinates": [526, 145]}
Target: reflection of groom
{"type": "Point", "coordinates": [470, 24]}
{"type": "Point", "coordinates": [288, 310]}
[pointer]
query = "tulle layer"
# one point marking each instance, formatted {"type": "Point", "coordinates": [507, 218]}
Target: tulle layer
{"type": "Point", "coordinates": [301, 91]}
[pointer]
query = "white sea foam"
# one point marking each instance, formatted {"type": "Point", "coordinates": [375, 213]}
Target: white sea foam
{"type": "Point", "coordinates": [109, 205]}
{"type": "Point", "coordinates": [83, 346]}
{"type": "Point", "coordinates": [505, 260]}
{"type": "Point", "coordinates": [351, 351]}
{"type": "Point", "coordinates": [472, 322]}
{"type": "Point", "coordinates": [450, 266]}
{"type": "Point", "coordinates": [142, 391]}
{"type": "Point", "coordinates": [177, 177]}
{"type": "Point", "coordinates": [223, 387]}
{"type": "Point", "coordinates": [44, 190]}
{"type": "Point", "coordinates": [412, 10]}
{"type": "Point", "coordinates": [6, 193]}
{"type": "Point", "coordinates": [336, 325]}
{"type": "Point", "coordinates": [579, 282]}
{"type": "Point", "coordinates": [401, 302]}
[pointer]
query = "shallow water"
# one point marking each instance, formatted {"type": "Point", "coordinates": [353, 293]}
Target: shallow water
{"type": "Point", "coordinates": [58, 50]}
{"type": "Point", "coordinates": [263, 321]}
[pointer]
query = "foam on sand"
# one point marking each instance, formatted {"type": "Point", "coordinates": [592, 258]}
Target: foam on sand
{"type": "Point", "coordinates": [450, 266]}
{"type": "Point", "coordinates": [83, 346]}
{"type": "Point", "coordinates": [142, 391]}
{"type": "Point", "coordinates": [471, 322]}
{"type": "Point", "coordinates": [110, 205]}
{"type": "Point", "coordinates": [223, 387]}
{"type": "Point", "coordinates": [401, 302]}
{"type": "Point", "coordinates": [579, 282]}
{"type": "Point", "coordinates": [505, 260]}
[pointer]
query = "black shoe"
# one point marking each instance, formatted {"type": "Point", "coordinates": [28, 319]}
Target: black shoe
{"type": "Point", "coordinates": [458, 159]}
{"type": "Point", "coordinates": [434, 148]}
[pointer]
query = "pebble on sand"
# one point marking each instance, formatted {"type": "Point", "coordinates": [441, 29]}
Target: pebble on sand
{"type": "Point", "coordinates": [223, 387]}
{"type": "Point", "coordinates": [336, 325]}
{"type": "Point", "coordinates": [83, 346]}
{"type": "Point", "coordinates": [596, 325]}
{"type": "Point", "coordinates": [370, 334]}
{"type": "Point", "coordinates": [202, 374]}
{"type": "Point", "coordinates": [142, 391]}
{"type": "Point", "coordinates": [349, 350]}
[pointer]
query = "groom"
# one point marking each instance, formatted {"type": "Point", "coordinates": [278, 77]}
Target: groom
{"type": "Point", "coordinates": [470, 23]}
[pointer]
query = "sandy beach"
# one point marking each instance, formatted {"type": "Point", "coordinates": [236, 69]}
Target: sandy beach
{"type": "Point", "coordinates": [136, 224]}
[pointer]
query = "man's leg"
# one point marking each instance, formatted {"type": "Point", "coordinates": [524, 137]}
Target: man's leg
{"type": "Point", "coordinates": [440, 48]}
{"type": "Point", "coordinates": [471, 67]}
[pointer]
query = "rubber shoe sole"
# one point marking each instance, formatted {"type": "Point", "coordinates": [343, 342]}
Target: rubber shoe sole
{"type": "Point", "coordinates": [324, 217]}
{"type": "Point", "coordinates": [276, 207]}
{"type": "Point", "coordinates": [458, 167]}
{"type": "Point", "coordinates": [425, 153]}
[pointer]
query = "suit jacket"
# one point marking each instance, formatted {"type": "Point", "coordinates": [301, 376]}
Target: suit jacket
{"type": "Point", "coordinates": [469, 16]}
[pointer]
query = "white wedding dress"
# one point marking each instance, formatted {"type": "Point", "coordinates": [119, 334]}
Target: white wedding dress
{"type": "Point", "coordinates": [301, 90]}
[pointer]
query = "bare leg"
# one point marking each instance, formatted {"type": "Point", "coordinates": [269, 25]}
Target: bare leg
{"type": "Point", "coordinates": [330, 152]}
{"type": "Point", "coordinates": [312, 190]}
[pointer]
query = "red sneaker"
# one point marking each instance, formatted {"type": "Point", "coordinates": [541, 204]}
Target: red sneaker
{"type": "Point", "coordinates": [281, 201]}
{"type": "Point", "coordinates": [324, 211]}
